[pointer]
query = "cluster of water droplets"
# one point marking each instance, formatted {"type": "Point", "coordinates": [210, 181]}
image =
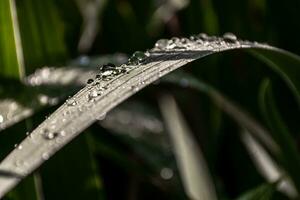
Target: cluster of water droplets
{"type": "Point", "coordinates": [200, 40]}
{"type": "Point", "coordinates": [138, 57]}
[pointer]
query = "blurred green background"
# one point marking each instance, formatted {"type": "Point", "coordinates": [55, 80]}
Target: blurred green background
{"type": "Point", "coordinates": [136, 161]}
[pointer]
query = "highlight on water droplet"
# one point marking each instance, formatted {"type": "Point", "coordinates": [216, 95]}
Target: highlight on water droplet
{"type": "Point", "coordinates": [161, 44]}
{"type": "Point", "coordinates": [45, 156]}
{"type": "Point", "coordinates": [49, 135]}
{"type": "Point", "coordinates": [89, 81]}
{"type": "Point", "coordinates": [71, 102]}
{"type": "Point", "coordinates": [229, 37]}
{"type": "Point", "coordinates": [17, 146]}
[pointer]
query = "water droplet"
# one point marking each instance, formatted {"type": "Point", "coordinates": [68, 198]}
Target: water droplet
{"type": "Point", "coordinates": [203, 36]}
{"type": "Point", "coordinates": [71, 102]}
{"type": "Point", "coordinates": [17, 146]}
{"type": "Point", "coordinates": [133, 60]}
{"type": "Point", "coordinates": [108, 66]}
{"type": "Point", "coordinates": [193, 37]}
{"type": "Point", "coordinates": [93, 94]}
{"type": "Point", "coordinates": [162, 43]}
{"type": "Point", "coordinates": [45, 156]}
{"type": "Point", "coordinates": [183, 40]}
{"type": "Point", "coordinates": [98, 76]}
{"type": "Point", "coordinates": [90, 81]}
{"type": "Point", "coordinates": [49, 135]}
{"type": "Point", "coordinates": [230, 37]}
{"type": "Point", "coordinates": [107, 73]}
{"type": "Point", "coordinates": [175, 39]}
{"type": "Point", "coordinates": [135, 88]}
{"type": "Point", "coordinates": [166, 173]}
{"type": "Point", "coordinates": [1, 119]}
{"type": "Point", "coordinates": [62, 133]}
{"type": "Point", "coordinates": [140, 55]}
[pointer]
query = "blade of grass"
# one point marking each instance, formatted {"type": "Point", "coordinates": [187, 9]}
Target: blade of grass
{"type": "Point", "coordinates": [267, 167]}
{"type": "Point", "coordinates": [81, 111]}
{"type": "Point", "coordinates": [238, 114]}
{"type": "Point", "coordinates": [191, 163]}
{"type": "Point", "coordinates": [42, 33]}
{"type": "Point", "coordinates": [11, 60]}
{"type": "Point", "coordinates": [290, 156]}
{"type": "Point", "coordinates": [73, 173]}
{"type": "Point", "coordinates": [262, 192]}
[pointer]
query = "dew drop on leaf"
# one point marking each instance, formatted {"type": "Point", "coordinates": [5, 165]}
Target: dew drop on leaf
{"type": "Point", "coordinates": [203, 36]}
{"type": "Point", "coordinates": [90, 81]}
{"type": "Point", "coordinates": [230, 37]}
{"type": "Point", "coordinates": [93, 94]}
{"type": "Point", "coordinates": [49, 135]}
{"type": "Point", "coordinates": [161, 44]}
{"type": "Point", "coordinates": [108, 66]}
{"type": "Point", "coordinates": [71, 102]}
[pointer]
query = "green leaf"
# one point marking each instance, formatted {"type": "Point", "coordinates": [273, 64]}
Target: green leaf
{"type": "Point", "coordinates": [233, 110]}
{"type": "Point", "coordinates": [262, 192]}
{"type": "Point", "coordinates": [95, 100]}
{"type": "Point", "coordinates": [289, 154]}
{"type": "Point", "coordinates": [73, 173]}
{"type": "Point", "coordinates": [11, 59]}
{"type": "Point", "coordinates": [27, 190]}
{"type": "Point", "coordinates": [192, 166]}
{"type": "Point", "coordinates": [42, 33]}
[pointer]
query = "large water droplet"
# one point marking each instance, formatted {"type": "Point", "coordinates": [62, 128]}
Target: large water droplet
{"type": "Point", "coordinates": [161, 44]}
{"type": "Point", "coordinates": [203, 36]}
{"type": "Point", "coordinates": [230, 37]}
{"type": "Point", "coordinates": [108, 66]}
{"type": "Point", "coordinates": [93, 94]}
{"type": "Point", "coordinates": [90, 81]}
{"type": "Point", "coordinates": [71, 102]}
{"type": "Point", "coordinates": [49, 135]}
{"type": "Point", "coordinates": [140, 55]}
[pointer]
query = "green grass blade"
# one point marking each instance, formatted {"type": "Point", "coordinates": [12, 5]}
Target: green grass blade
{"type": "Point", "coordinates": [286, 64]}
{"type": "Point", "coordinates": [262, 192]}
{"type": "Point", "coordinates": [289, 154]}
{"type": "Point", "coordinates": [191, 163]}
{"type": "Point", "coordinates": [27, 190]}
{"type": "Point", "coordinates": [95, 100]}
{"type": "Point", "coordinates": [11, 59]}
{"type": "Point", "coordinates": [73, 173]}
{"type": "Point", "coordinates": [267, 167]}
{"type": "Point", "coordinates": [238, 114]}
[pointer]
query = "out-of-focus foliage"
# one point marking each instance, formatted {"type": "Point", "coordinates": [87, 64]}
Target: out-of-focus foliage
{"type": "Point", "coordinates": [136, 161]}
